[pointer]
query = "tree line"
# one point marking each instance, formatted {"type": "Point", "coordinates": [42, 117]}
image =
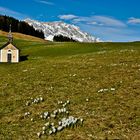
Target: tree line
{"type": "Point", "coordinates": [19, 26]}
{"type": "Point", "coordinates": [61, 38]}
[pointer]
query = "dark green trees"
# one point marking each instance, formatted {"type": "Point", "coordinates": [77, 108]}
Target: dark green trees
{"type": "Point", "coordinates": [61, 38]}
{"type": "Point", "coordinates": [18, 26]}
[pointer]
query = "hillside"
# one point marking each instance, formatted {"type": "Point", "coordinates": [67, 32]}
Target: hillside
{"type": "Point", "coordinates": [100, 80]}
{"type": "Point", "coordinates": [18, 26]}
{"type": "Point", "coordinates": [21, 36]}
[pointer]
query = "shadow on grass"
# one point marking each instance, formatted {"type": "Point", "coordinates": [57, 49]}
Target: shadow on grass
{"type": "Point", "coordinates": [23, 58]}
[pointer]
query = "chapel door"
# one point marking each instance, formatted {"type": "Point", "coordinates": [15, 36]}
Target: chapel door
{"type": "Point", "coordinates": [9, 57]}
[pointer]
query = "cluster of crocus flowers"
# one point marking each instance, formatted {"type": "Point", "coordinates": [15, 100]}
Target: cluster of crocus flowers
{"type": "Point", "coordinates": [58, 120]}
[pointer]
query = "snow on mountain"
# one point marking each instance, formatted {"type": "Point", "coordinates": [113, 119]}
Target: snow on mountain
{"type": "Point", "coordinates": [51, 29]}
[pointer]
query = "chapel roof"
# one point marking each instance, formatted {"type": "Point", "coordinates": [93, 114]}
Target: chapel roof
{"type": "Point", "coordinates": [5, 45]}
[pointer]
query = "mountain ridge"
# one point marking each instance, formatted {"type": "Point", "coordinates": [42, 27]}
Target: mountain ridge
{"type": "Point", "coordinates": [51, 29]}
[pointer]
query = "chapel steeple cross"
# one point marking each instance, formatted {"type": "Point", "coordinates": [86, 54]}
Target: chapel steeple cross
{"type": "Point", "coordinates": [10, 36]}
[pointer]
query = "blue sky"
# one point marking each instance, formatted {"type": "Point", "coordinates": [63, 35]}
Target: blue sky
{"type": "Point", "coordinates": [110, 20]}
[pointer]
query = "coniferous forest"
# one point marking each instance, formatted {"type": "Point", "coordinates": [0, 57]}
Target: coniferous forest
{"type": "Point", "coordinates": [18, 26]}
{"type": "Point", "coordinates": [61, 38]}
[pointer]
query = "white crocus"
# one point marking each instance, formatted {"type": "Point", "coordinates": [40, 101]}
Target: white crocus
{"type": "Point", "coordinates": [39, 134]}
{"type": "Point", "coordinates": [112, 89]}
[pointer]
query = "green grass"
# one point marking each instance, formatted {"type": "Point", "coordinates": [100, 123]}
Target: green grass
{"type": "Point", "coordinates": [74, 71]}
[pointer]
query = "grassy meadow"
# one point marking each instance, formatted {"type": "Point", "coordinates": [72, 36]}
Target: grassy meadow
{"type": "Point", "coordinates": [101, 80]}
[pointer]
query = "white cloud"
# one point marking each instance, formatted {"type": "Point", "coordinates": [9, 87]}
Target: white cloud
{"type": "Point", "coordinates": [81, 19]}
{"type": "Point", "coordinates": [9, 12]}
{"type": "Point", "coordinates": [107, 28]}
{"type": "Point", "coordinates": [111, 33]}
{"type": "Point", "coordinates": [4, 10]}
{"type": "Point", "coordinates": [100, 20]}
{"type": "Point", "coordinates": [108, 21]}
{"type": "Point", "coordinates": [133, 20]}
{"type": "Point", "coordinates": [95, 23]}
{"type": "Point", "coordinates": [45, 2]}
{"type": "Point", "coordinates": [67, 17]}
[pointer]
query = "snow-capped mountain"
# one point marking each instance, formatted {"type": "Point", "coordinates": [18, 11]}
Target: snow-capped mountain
{"type": "Point", "coordinates": [51, 29]}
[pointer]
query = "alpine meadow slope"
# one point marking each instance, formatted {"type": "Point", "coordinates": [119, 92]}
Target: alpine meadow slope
{"type": "Point", "coordinates": [101, 81]}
